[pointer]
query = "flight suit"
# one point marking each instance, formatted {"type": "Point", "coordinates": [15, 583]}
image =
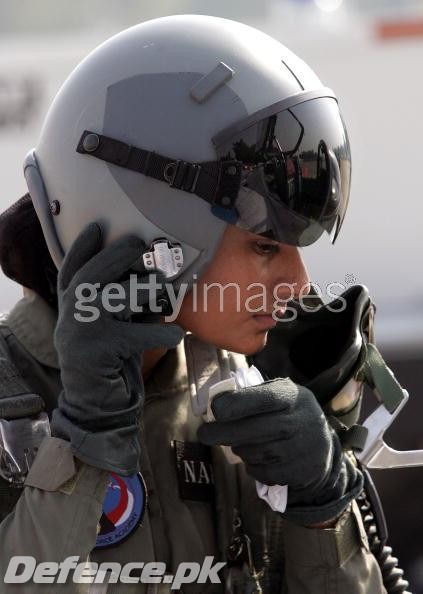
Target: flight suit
{"type": "Point", "coordinates": [186, 519]}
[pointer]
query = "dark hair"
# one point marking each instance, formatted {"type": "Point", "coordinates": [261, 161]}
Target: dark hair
{"type": "Point", "coordinates": [24, 256]}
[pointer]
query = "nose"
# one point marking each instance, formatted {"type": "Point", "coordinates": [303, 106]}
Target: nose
{"type": "Point", "coordinates": [293, 278]}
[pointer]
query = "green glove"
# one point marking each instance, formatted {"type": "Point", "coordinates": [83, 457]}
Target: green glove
{"type": "Point", "coordinates": [100, 360]}
{"type": "Point", "coordinates": [279, 430]}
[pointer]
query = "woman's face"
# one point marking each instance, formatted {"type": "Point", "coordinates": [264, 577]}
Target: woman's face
{"type": "Point", "coordinates": [249, 279]}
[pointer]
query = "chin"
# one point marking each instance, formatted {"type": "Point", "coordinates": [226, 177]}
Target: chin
{"type": "Point", "coordinates": [241, 338]}
{"type": "Point", "coordinates": [248, 345]}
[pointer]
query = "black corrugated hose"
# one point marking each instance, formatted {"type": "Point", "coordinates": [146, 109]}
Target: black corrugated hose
{"type": "Point", "coordinates": [376, 529]}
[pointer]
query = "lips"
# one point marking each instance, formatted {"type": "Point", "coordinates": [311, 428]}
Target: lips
{"type": "Point", "coordinates": [267, 320]}
{"type": "Point", "coordinates": [280, 312]}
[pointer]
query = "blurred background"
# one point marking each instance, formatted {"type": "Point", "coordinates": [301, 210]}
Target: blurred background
{"type": "Point", "coordinates": [371, 53]}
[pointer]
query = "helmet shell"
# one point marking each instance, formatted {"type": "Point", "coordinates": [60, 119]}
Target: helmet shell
{"type": "Point", "coordinates": [136, 88]}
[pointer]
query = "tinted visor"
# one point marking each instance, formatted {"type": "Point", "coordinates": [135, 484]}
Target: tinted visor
{"type": "Point", "coordinates": [296, 172]}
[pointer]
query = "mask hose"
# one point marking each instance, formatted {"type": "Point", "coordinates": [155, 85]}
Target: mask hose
{"type": "Point", "coordinates": [375, 525]}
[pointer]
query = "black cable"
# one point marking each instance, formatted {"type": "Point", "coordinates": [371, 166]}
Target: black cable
{"type": "Point", "coordinates": [375, 525]}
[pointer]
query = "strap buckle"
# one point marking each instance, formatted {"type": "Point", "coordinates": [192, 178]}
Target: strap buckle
{"type": "Point", "coordinates": [20, 440]}
{"type": "Point", "coordinates": [182, 175]}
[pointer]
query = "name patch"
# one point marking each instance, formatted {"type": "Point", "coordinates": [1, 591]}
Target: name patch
{"type": "Point", "coordinates": [194, 470]}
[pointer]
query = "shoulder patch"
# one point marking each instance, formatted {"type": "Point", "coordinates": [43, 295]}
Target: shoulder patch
{"type": "Point", "coordinates": [123, 509]}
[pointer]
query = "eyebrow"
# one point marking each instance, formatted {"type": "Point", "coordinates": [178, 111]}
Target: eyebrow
{"type": "Point", "coordinates": [264, 237]}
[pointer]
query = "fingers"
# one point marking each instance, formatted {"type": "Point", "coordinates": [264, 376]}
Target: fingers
{"type": "Point", "coordinates": [111, 263]}
{"type": "Point", "coordinates": [272, 396]}
{"type": "Point", "coordinates": [134, 337]}
{"type": "Point", "coordinates": [270, 452]}
{"type": "Point", "coordinates": [146, 289]}
{"type": "Point", "coordinates": [275, 451]}
{"type": "Point", "coordinates": [86, 245]}
{"type": "Point", "coordinates": [267, 474]}
{"type": "Point", "coordinates": [131, 372]}
{"type": "Point", "coordinates": [258, 430]}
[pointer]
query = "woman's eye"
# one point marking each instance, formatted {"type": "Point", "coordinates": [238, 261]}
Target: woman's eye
{"type": "Point", "coordinates": [267, 249]}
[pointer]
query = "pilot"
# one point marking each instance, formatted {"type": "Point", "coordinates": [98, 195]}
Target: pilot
{"type": "Point", "coordinates": [195, 152]}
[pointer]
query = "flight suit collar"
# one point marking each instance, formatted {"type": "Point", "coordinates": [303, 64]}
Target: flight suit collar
{"type": "Point", "coordinates": [33, 321]}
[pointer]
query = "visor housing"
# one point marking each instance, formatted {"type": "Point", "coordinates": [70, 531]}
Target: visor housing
{"type": "Point", "coordinates": [296, 171]}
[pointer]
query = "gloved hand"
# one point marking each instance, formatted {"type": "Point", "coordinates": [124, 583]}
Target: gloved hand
{"type": "Point", "coordinates": [279, 430]}
{"type": "Point", "coordinates": [100, 360]}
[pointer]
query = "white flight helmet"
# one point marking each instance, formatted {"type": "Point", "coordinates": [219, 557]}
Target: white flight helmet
{"type": "Point", "coordinates": [182, 125]}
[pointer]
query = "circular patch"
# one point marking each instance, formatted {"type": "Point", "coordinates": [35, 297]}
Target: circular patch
{"type": "Point", "coordinates": [123, 509]}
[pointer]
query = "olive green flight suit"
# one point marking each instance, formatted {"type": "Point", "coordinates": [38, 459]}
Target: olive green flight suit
{"type": "Point", "coordinates": [59, 509]}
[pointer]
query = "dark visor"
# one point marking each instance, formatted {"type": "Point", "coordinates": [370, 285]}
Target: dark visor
{"type": "Point", "coordinates": [296, 169]}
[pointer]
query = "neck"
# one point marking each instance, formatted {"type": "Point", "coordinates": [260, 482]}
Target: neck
{"type": "Point", "coordinates": [150, 358]}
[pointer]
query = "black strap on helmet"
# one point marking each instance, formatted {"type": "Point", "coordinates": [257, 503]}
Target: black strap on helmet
{"type": "Point", "coordinates": [217, 182]}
